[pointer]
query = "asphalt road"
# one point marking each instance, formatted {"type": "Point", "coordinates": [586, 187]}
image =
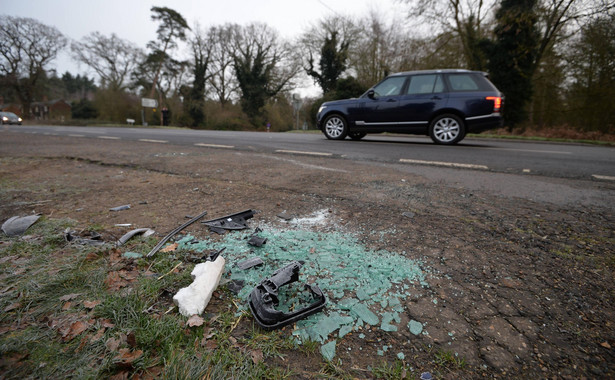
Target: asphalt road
{"type": "Point", "coordinates": [555, 160]}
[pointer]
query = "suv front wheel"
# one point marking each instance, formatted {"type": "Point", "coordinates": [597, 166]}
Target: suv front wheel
{"type": "Point", "coordinates": [447, 129]}
{"type": "Point", "coordinates": [335, 127]}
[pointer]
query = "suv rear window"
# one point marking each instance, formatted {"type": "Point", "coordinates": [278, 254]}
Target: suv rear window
{"type": "Point", "coordinates": [469, 82]}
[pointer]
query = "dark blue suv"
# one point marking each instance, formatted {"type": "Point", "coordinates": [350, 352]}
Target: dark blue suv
{"type": "Point", "coordinates": [444, 104]}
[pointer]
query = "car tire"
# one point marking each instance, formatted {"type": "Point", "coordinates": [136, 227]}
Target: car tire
{"type": "Point", "coordinates": [335, 127]}
{"type": "Point", "coordinates": [357, 135]}
{"type": "Point", "coordinates": [447, 129]}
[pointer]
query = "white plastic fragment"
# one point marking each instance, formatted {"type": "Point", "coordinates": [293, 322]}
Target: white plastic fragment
{"type": "Point", "coordinates": [18, 225]}
{"type": "Point", "coordinates": [194, 298]}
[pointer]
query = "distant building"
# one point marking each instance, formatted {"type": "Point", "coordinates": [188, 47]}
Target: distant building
{"type": "Point", "coordinates": [47, 110]}
{"type": "Point", "coordinates": [50, 110]}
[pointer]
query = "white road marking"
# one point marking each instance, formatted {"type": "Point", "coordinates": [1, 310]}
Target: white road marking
{"type": "Point", "coordinates": [526, 170]}
{"type": "Point", "coordinates": [77, 135]}
{"type": "Point", "coordinates": [529, 150]}
{"type": "Point", "coordinates": [108, 137]}
{"type": "Point", "coordinates": [154, 141]}
{"type": "Point", "coordinates": [446, 164]}
{"type": "Point", "coordinates": [302, 164]}
{"type": "Point", "coordinates": [603, 177]}
{"type": "Point", "coordinates": [302, 152]}
{"type": "Point", "coordinates": [215, 146]}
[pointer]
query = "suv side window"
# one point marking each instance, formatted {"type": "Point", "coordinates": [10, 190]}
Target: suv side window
{"type": "Point", "coordinates": [390, 87]}
{"type": "Point", "coordinates": [469, 82]}
{"type": "Point", "coordinates": [425, 84]}
{"type": "Point", "coordinates": [462, 82]}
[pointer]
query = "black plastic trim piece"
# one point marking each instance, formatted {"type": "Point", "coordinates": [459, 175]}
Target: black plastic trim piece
{"type": "Point", "coordinates": [264, 298]}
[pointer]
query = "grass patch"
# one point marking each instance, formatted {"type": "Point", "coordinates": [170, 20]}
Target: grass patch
{"type": "Point", "coordinates": [391, 371]}
{"type": "Point", "coordinates": [540, 139]}
{"type": "Point", "coordinates": [449, 360]}
{"type": "Point", "coordinates": [84, 312]}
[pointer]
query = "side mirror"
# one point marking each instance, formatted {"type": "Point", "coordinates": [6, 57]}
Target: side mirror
{"type": "Point", "coordinates": [371, 94]}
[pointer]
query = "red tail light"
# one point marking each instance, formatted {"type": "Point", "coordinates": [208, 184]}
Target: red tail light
{"type": "Point", "coordinates": [497, 102]}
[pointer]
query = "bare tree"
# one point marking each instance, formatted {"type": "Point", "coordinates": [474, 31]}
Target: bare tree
{"type": "Point", "coordinates": [382, 48]}
{"type": "Point", "coordinates": [26, 48]}
{"type": "Point", "coordinates": [471, 20]}
{"type": "Point", "coordinates": [112, 58]}
{"type": "Point", "coordinates": [201, 45]}
{"type": "Point", "coordinates": [556, 15]}
{"type": "Point", "coordinates": [467, 19]}
{"type": "Point", "coordinates": [223, 82]}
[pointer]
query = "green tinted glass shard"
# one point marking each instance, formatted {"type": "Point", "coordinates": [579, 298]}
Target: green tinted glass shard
{"type": "Point", "coordinates": [328, 350]}
{"type": "Point", "coordinates": [344, 330]}
{"type": "Point", "coordinates": [363, 312]}
{"type": "Point", "coordinates": [415, 327]}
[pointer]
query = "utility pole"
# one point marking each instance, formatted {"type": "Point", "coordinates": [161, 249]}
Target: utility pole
{"type": "Point", "coordinates": [297, 107]}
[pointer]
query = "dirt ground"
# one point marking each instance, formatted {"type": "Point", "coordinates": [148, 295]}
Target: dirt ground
{"type": "Point", "coordinates": [515, 288]}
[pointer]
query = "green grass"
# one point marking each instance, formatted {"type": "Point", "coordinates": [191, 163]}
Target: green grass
{"type": "Point", "coordinates": [396, 370]}
{"type": "Point", "coordinates": [36, 273]}
{"type": "Point", "coordinates": [449, 360]}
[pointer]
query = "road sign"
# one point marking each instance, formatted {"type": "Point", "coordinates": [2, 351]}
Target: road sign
{"type": "Point", "coordinates": [150, 103]}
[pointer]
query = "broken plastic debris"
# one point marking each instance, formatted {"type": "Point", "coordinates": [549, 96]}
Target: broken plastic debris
{"type": "Point", "coordinates": [235, 286]}
{"type": "Point", "coordinates": [94, 240]}
{"type": "Point", "coordinates": [130, 234]}
{"type": "Point", "coordinates": [257, 241]}
{"type": "Point", "coordinates": [231, 222]}
{"type": "Point", "coordinates": [175, 231]}
{"type": "Point", "coordinates": [194, 298]}
{"type": "Point", "coordinates": [18, 225]}
{"type": "Point", "coordinates": [249, 263]}
{"type": "Point", "coordinates": [120, 208]}
{"type": "Point", "coordinates": [264, 298]}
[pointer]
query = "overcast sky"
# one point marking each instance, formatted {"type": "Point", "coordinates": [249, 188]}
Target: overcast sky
{"type": "Point", "coordinates": [130, 19]}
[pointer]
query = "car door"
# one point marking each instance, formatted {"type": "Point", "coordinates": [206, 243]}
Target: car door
{"type": "Point", "coordinates": [381, 106]}
{"type": "Point", "coordinates": [423, 95]}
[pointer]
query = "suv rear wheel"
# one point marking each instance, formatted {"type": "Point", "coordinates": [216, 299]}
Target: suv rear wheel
{"type": "Point", "coordinates": [447, 129]}
{"type": "Point", "coordinates": [335, 127]}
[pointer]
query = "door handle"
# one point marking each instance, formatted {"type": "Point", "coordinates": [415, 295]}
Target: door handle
{"type": "Point", "coordinates": [390, 100]}
{"type": "Point", "coordinates": [436, 98]}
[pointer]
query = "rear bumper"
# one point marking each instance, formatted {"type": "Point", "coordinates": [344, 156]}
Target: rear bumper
{"type": "Point", "coordinates": [482, 123]}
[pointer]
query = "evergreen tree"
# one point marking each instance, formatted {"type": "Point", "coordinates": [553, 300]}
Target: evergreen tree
{"type": "Point", "coordinates": [512, 56]}
{"type": "Point", "coordinates": [84, 109]}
